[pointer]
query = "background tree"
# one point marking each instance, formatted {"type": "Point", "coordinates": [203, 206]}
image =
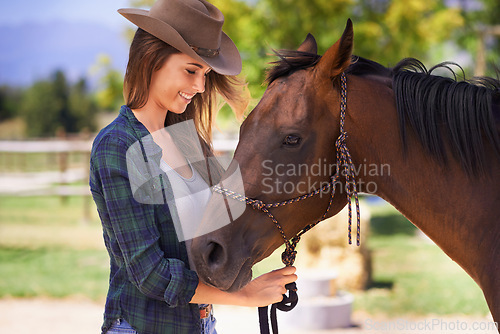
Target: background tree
{"type": "Point", "coordinates": [478, 15]}
{"type": "Point", "coordinates": [109, 95]}
{"type": "Point", "coordinates": [82, 107]}
{"type": "Point", "coordinates": [54, 104]}
{"type": "Point", "coordinates": [10, 99]}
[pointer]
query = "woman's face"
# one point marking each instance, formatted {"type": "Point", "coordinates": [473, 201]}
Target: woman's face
{"type": "Point", "coordinates": [175, 84]}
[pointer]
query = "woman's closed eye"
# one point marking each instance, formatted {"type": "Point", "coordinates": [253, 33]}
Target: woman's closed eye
{"type": "Point", "coordinates": [194, 72]}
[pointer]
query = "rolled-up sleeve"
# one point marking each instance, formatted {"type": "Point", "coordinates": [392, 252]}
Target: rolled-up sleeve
{"type": "Point", "coordinates": [133, 230]}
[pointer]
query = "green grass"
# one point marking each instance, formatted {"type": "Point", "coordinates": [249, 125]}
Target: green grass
{"type": "Point", "coordinates": [44, 211]}
{"type": "Point", "coordinates": [53, 272]}
{"type": "Point", "coordinates": [46, 250]}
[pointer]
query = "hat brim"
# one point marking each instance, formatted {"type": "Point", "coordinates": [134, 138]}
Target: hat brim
{"type": "Point", "coordinates": [227, 62]}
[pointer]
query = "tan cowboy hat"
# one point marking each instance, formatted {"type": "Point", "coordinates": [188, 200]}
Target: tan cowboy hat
{"type": "Point", "coordinates": [193, 27]}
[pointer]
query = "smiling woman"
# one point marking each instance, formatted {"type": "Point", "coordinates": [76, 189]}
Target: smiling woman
{"type": "Point", "coordinates": [174, 76]}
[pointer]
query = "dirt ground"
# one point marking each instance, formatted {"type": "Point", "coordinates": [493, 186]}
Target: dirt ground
{"type": "Point", "coordinates": [44, 316]}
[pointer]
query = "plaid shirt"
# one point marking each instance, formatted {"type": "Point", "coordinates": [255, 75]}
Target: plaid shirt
{"type": "Point", "coordinates": [150, 283]}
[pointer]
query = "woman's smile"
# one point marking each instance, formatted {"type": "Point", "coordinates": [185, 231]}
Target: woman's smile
{"type": "Point", "coordinates": [187, 97]}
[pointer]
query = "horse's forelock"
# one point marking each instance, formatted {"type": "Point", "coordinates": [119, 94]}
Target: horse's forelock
{"type": "Point", "coordinates": [289, 62]}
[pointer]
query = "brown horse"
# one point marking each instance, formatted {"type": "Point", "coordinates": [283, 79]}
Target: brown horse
{"type": "Point", "coordinates": [428, 145]}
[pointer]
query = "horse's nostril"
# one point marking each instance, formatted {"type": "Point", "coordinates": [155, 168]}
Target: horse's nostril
{"type": "Point", "coordinates": [215, 254]}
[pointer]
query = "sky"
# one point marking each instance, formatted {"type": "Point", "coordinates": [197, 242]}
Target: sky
{"type": "Point", "coordinates": [39, 36]}
{"type": "Point", "coordinates": [41, 11]}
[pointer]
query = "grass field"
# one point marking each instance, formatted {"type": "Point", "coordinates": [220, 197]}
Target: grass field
{"type": "Point", "coordinates": [46, 250]}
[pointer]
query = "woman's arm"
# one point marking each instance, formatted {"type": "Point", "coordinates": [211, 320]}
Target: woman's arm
{"type": "Point", "coordinates": [262, 291]}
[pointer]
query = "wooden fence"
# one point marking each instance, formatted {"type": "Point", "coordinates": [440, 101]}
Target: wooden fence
{"type": "Point", "coordinates": [56, 168]}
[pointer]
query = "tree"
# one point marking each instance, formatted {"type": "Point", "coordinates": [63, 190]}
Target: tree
{"type": "Point", "coordinates": [82, 108]}
{"type": "Point", "coordinates": [110, 90]}
{"type": "Point", "coordinates": [40, 110]}
{"type": "Point", "coordinates": [10, 99]}
{"type": "Point", "coordinates": [479, 15]}
{"type": "Point", "coordinates": [50, 105]}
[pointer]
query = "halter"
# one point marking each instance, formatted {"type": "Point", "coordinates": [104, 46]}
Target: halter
{"type": "Point", "coordinates": [343, 160]}
{"type": "Point", "coordinates": [345, 166]}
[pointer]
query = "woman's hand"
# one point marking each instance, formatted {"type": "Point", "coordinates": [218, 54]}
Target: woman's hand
{"type": "Point", "coordinates": [268, 288]}
{"type": "Point", "coordinates": [262, 291]}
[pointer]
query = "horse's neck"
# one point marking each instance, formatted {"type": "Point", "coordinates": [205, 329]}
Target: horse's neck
{"type": "Point", "coordinates": [460, 214]}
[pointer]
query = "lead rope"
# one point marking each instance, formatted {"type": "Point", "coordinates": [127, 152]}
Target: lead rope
{"type": "Point", "coordinates": [345, 167]}
{"type": "Point", "coordinates": [344, 157]}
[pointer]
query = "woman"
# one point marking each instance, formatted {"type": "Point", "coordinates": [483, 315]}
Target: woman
{"type": "Point", "coordinates": [179, 59]}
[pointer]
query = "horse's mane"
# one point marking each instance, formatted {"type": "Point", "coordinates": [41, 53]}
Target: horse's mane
{"type": "Point", "coordinates": [435, 107]}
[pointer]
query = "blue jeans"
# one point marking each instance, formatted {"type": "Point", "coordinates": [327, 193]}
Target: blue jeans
{"type": "Point", "coordinates": [120, 326]}
{"type": "Point", "coordinates": [208, 325]}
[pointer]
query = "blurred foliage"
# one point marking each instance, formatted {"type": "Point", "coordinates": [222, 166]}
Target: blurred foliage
{"type": "Point", "coordinates": [488, 14]}
{"type": "Point", "coordinates": [109, 94]}
{"type": "Point", "coordinates": [385, 31]}
{"type": "Point", "coordinates": [53, 106]}
{"type": "Point", "coordinates": [10, 98]}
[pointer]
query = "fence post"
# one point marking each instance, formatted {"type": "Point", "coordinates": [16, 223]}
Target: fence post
{"type": "Point", "coordinates": [87, 201]}
{"type": "Point", "coordinates": [63, 165]}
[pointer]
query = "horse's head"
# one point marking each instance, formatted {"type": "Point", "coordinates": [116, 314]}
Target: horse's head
{"type": "Point", "coordinates": [286, 149]}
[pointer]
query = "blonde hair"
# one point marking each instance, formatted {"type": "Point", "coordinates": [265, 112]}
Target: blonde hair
{"type": "Point", "coordinates": [148, 54]}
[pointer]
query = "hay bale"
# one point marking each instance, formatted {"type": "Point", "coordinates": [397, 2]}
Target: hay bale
{"type": "Point", "coordinates": [326, 247]}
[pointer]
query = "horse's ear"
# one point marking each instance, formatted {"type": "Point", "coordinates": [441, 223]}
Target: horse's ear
{"type": "Point", "coordinates": [309, 45]}
{"type": "Point", "coordinates": [338, 57]}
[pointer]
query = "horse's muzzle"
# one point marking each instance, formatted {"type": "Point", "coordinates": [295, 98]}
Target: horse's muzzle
{"type": "Point", "coordinates": [215, 265]}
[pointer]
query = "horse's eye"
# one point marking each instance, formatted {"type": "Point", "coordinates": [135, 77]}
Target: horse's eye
{"type": "Point", "coordinates": [291, 140]}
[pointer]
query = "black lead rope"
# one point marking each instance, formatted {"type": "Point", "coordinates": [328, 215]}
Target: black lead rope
{"type": "Point", "coordinates": [287, 304]}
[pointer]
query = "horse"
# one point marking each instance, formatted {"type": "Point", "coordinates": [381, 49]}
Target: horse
{"type": "Point", "coordinates": [438, 138]}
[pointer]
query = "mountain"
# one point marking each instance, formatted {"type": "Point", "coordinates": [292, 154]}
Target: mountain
{"type": "Point", "coordinates": [33, 51]}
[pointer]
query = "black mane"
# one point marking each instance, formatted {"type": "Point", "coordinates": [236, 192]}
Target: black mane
{"type": "Point", "coordinates": [290, 61]}
{"type": "Point", "coordinates": [438, 109]}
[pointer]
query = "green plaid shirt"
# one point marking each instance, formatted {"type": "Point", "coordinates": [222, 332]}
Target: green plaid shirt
{"type": "Point", "coordinates": [150, 283]}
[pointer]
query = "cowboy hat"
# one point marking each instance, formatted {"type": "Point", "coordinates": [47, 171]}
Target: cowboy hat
{"type": "Point", "coordinates": [193, 27]}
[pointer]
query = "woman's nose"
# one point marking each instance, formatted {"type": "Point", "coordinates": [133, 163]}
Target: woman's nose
{"type": "Point", "coordinates": [199, 84]}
